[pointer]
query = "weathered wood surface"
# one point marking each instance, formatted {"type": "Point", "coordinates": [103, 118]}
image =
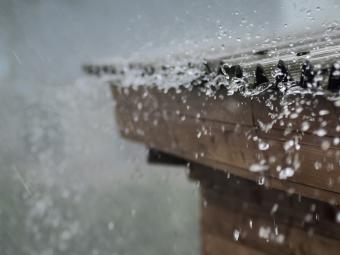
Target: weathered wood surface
{"type": "Point", "coordinates": [321, 49]}
{"type": "Point", "coordinates": [219, 131]}
{"type": "Point", "coordinates": [240, 217]}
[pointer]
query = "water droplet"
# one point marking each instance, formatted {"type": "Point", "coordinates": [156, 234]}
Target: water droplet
{"type": "Point", "coordinates": [325, 145]}
{"type": "Point", "coordinates": [305, 126]}
{"type": "Point", "coordinates": [286, 173]}
{"type": "Point", "coordinates": [323, 112]}
{"type": "Point", "coordinates": [111, 225]}
{"type": "Point", "coordinates": [264, 232]}
{"type": "Point", "coordinates": [288, 145]}
{"type": "Point", "coordinates": [258, 168]}
{"type": "Point", "coordinates": [308, 217]}
{"type": "Point", "coordinates": [317, 165]}
{"type": "Point", "coordinates": [294, 115]}
{"type": "Point", "coordinates": [320, 132]}
{"type": "Point", "coordinates": [338, 217]}
{"type": "Point", "coordinates": [261, 180]}
{"type": "Point", "coordinates": [280, 239]}
{"type": "Point", "coordinates": [236, 234]}
{"type": "Point", "coordinates": [263, 146]}
{"type": "Point", "coordinates": [274, 208]}
{"type": "Point", "coordinates": [205, 203]}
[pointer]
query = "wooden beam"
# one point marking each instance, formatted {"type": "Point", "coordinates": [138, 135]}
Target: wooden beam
{"type": "Point", "coordinates": [220, 132]}
{"type": "Point", "coordinates": [158, 157]}
{"type": "Point", "coordinates": [238, 214]}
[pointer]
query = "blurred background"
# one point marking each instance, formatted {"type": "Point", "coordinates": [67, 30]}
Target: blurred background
{"type": "Point", "coordinates": [68, 183]}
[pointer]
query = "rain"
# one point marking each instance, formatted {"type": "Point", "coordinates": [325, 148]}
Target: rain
{"type": "Point", "coordinates": [169, 127]}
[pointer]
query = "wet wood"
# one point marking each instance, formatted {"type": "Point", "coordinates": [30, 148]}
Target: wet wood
{"type": "Point", "coordinates": [319, 49]}
{"type": "Point", "coordinates": [213, 244]}
{"type": "Point", "coordinates": [240, 217]}
{"type": "Point", "coordinates": [220, 131]}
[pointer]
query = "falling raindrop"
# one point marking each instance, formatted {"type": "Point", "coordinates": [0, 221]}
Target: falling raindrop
{"type": "Point", "coordinates": [320, 132]}
{"type": "Point", "coordinates": [261, 180]}
{"type": "Point", "coordinates": [236, 234]}
{"type": "Point", "coordinates": [305, 126]}
{"type": "Point", "coordinates": [263, 146]}
{"type": "Point", "coordinates": [294, 115]}
{"type": "Point", "coordinates": [288, 145]}
{"type": "Point", "coordinates": [264, 232]}
{"type": "Point", "coordinates": [286, 173]}
{"type": "Point", "coordinates": [280, 239]}
{"type": "Point", "coordinates": [325, 145]}
{"type": "Point", "coordinates": [338, 217]}
{"type": "Point", "coordinates": [323, 112]}
{"type": "Point", "coordinates": [317, 165]}
{"type": "Point", "coordinates": [274, 209]}
{"type": "Point", "coordinates": [258, 168]}
{"type": "Point", "coordinates": [111, 225]}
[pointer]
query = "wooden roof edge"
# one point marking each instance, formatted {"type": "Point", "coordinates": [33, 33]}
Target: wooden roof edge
{"type": "Point", "coordinates": [307, 61]}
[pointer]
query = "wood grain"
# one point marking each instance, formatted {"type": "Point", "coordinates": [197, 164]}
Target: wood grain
{"type": "Point", "coordinates": [220, 132]}
{"type": "Point", "coordinates": [296, 226]}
